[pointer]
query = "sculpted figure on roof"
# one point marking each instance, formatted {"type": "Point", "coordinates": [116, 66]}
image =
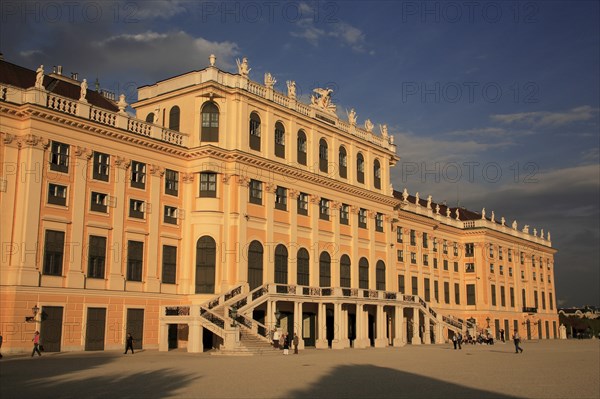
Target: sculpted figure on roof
{"type": "Point", "coordinates": [369, 125]}
{"type": "Point", "coordinates": [83, 90]}
{"type": "Point", "coordinates": [323, 99]}
{"type": "Point", "coordinates": [291, 85]}
{"type": "Point", "coordinates": [39, 77]}
{"type": "Point", "coordinates": [405, 195]}
{"type": "Point", "coordinates": [429, 198]}
{"type": "Point", "coordinates": [243, 68]}
{"type": "Point", "coordinates": [270, 80]}
{"type": "Point", "coordinates": [351, 117]}
{"type": "Point", "coordinates": [384, 131]}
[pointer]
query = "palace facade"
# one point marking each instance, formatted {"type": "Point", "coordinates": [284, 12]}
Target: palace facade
{"type": "Point", "coordinates": [225, 210]}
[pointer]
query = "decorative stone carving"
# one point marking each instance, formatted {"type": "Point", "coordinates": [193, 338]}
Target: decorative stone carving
{"type": "Point", "coordinates": [314, 199]}
{"type": "Point", "coordinates": [335, 205]}
{"type": "Point", "coordinates": [39, 78]}
{"type": "Point", "coordinates": [8, 138]}
{"type": "Point", "coordinates": [447, 212]}
{"type": "Point", "coordinates": [212, 59]}
{"type": "Point", "coordinates": [351, 117]}
{"type": "Point", "coordinates": [354, 210]}
{"type": "Point", "coordinates": [493, 217]}
{"type": "Point", "coordinates": [526, 229]}
{"type": "Point", "coordinates": [225, 178]}
{"type": "Point", "coordinates": [391, 141]}
{"type": "Point", "coordinates": [269, 80]}
{"type": "Point", "coordinates": [122, 163]}
{"type": "Point", "coordinates": [483, 214]}
{"type": "Point", "coordinates": [457, 213]}
{"type": "Point", "coordinates": [83, 91]}
{"type": "Point", "coordinates": [322, 99]}
{"type": "Point", "coordinates": [188, 177]}
{"type": "Point", "coordinates": [291, 86]}
{"type": "Point", "coordinates": [369, 126]}
{"type": "Point", "coordinates": [549, 239]}
{"type": "Point", "coordinates": [156, 170]}
{"type": "Point", "coordinates": [156, 120]}
{"type": "Point", "coordinates": [384, 131]}
{"type": "Point", "coordinates": [514, 225]}
{"type": "Point", "coordinates": [83, 153]}
{"type": "Point", "coordinates": [503, 221]}
{"type": "Point", "coordinates": [417, 199]}
{"type": "Point", "coordinates": [270, 187]}
{"type": "Point", "coordinates": [437, 209]}
{"type": "Point", "coordinates": [122, 104]}
{"type": "Point", "coordinates": [535, 232]}
{"type": "Point", "coordinates": [243, 181]}
{"type": "Point", "coordinates": [405, 195]}
{"type": "Point", "coordinates": [429, 202]}
{"type": "Point", "coordinates": [31, 140]}
{"type": "Point", "coordinates": [293, 193]}
{"type": "Point", "coordinates": [542, 234]}
{"type": "Point", "coordinates": [243, 68]}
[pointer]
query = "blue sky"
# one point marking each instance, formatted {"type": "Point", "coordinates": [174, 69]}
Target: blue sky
{"type": "Point", "coordinates": [509, 87]}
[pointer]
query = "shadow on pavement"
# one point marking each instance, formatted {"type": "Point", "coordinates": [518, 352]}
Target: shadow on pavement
{"type": "Point", "coordinates": [52, 377]}
{"type": "Point", "coordinates": [379, 382]}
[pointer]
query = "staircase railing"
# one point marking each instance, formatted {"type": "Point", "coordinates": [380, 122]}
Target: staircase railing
{"type": "Point", "coordinates": [221, 299]}
{"type": "Point", "coordinates": [216, 323]}
{"type": "Point", "coordinates": [255, 327]}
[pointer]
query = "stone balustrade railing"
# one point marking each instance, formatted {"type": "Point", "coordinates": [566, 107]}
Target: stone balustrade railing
{"type": "Point", "coordinates": [82, 109]}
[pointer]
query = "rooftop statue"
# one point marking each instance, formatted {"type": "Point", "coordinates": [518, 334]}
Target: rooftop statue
{"type": "Point", "coordinates": [122, 104]}
{"type": "Point", "coordinates": [437, 209]}
{"type": "Point", "coordinates": [351, 117]}
{"type": "Point", "coordinates": [526, 229]}
{"type": "Point", "coordinates": [39, 77]}
{"type": "Point", "coordinates": [83, 90]}
{"type": "Point", "coordinates": [502, 220]}
{"type": "Point", "coordinates": [392, 139]}
{"type": "Point", "coordinates": [212, 58]}
{"type": "Point", "coordinates": [447, 212]}
{"type": "Point", "coordinates": [429, 202]}
{"type": "Point", "coordinates": [483, 213]}
{"type": "Point", "coordinates": [323, 99]}
{"type": "Point", "coordinates": [514, 224]}
{"type": "Point", "coordinates": [457, 214]}
{"type": "Point", "coordinates": [549, 239]}
{"type": "Point", "coordinates": [535, 232]}
{"type": "Point", "coordinates": [291, 85]}
{"type": "Point", "coordinates": [493, 217]}
{"type": "Point", "coordinates": [243, 68]}
{"type": "Point", "coordinates": [417, 199]}
{"type": "Point", "coordinates": [270, 80]}
{"type": "Point", "coordinates": [542, 234]}
{"type": "Point", "coordinates": [369, 126]}
{"type": "Point", "coordinates": [384, 131]}
{"type": "Point", "coordinates": [405, 195]}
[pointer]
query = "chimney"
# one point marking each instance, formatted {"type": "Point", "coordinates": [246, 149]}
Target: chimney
{"type": "Point", "coordinates": [74, 75]}
{"type": "Point", "coordinates": [59, 70]}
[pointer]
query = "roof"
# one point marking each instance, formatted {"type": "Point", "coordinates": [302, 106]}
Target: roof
{"type": "Point", "coordinates": [463, 214]}
{"type": "Point", "coordinates": [24, 78]}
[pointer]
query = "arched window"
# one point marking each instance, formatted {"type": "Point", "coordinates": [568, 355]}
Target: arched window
{"type": "Point", "coordinates": [255, 264]}
{"type": "Point", "coordinates": [281, 264]}
{"type": "Point", "coordinates": [301, 147]}
{"type": "Point", "coordinates": [206, 257]}
{"type": "Point", "coordinates": [150, 117]}
{"type": "Point", "coordinates": [254, 131]}
{"type": "Point", "coordinates": [377, 174]}
{"type": "Point", "coordinates": [363, 273]}
{"type": "Point", "coordinates": [345, 271]}
{"type": "Point", "coordinates": [174, 118]}
{"type": "Point", "coordinates": [324, 270]}
{"type": "Point", "coordinates": [343, 162]}
{"type": "Point", "coordinates": [210, 123]}
{"type": "Point", "coordinates": [360, 168]}
{"type": "Point", "coordinates": [380, 275]}
{"type": "Point", "coordinates": [323, 156]}
{"type": "Point", "coordinates": [279, 140]}
{"type": "Point", "coordinates": [303, 274]}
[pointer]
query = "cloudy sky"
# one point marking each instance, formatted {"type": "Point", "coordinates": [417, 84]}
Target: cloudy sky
{"type": "Point", "coordinates": [492, 104]}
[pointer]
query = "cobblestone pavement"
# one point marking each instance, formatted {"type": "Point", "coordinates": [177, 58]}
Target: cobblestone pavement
{"type": "Point", "coordinates": [547, 369]}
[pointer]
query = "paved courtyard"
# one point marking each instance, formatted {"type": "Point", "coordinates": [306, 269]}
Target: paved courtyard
{"type": "Point", "coordinates": [547, 369]}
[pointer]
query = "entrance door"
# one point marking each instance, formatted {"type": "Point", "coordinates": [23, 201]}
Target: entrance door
{"type": "Point", "coordinates": [94, 330]}
{"type": "Point", "coordinates": [51, 328]}
{"type": "Point", "coordinates": [329, 324]}
{"type": "Point", "coordinates": [173, 336]}
{"type": "Point", "coordinates": [135, 326]}
{"type": "Point", "coordinates": [371, 330]}
{"type": "Point", "coordinates": [308, 328]}
{"type": "Point", "coordinates": [351, 328]}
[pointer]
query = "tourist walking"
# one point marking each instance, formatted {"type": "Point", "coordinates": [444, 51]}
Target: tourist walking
{"type": "Point", "coordinates": [282, 340]}
{"type": "Point", "coordinates": [128, 344]}
{"type": "Point", "coordinates": [286, 345]}
{"type": "Point", "coordinates": [296, 341]}
{"type": "Point", "coordinates": [459, 340]}
{"type": "Point", "coordinates": [502, 334]}
{"type": "Point", "coordinates": [517, 340]}
{"type": "Point", "coordinates": [276, 339]}
{"type": "Point", "coordinates": [454, 341]}
{"type": "Point", "coordinates": [36, 344]}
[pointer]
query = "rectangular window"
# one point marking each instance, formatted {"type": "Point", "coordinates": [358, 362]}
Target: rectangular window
{"type": "Point", "coordinates": [398, 234]}
{"type": "Point", "coordinates": [435, 263]}
{"type": "Point", "coordinates": [491, 251]}
{"type": "Point", "coordinates": [425, 241]}
{"type": "Point", "coordinates": [535, 298]}
{"type": "Point", "coordinates": [493, 291]}
{"type": "Point", "coordinates": [501, 270]}
{"type": "Point", "coordinates": [550, 301]}
{"type": "Point", "coordinates": [401, 288]}
{"type": "Point", "coordinates": [169, 264]}
{"type": "Point", "coordinates": [138, 174]}
{"type": "Point", "coordinates": [491, 268]}
{"type": "Point", "coordinates": [400, 254]}
{"type": "Point", "coordinates": [57, 194]}
{"type": "Point", "coordinates": [436, 291]}
{"type": "Point", "coordinates": [469, 249]}
{"type": "Point", "coordinates": [54, 246]}
{"type": "Point", "coordinates": [379, 222]}
{"type": "Point", "coordinates": [455, 248]}
{"type": "Point", "coordinates": [543, 300]}
{"type": "Point", "coordinates": [457, 293]}
{"type": "Point", "coordinates": [208, 185]}
{"type": "Point", "coordinates": [324, 209]}
{"type": "Point", "coordinates": [510, 272]}
{"type": "Point", "coordinates": [135, 260]}
{"type": "Point", "coordinates": [362, 218]}
{"type": "Point", "coordinates": [522, 255]}
{"type": "Point", "coordinates": [413, 258]}
{"type": "Point", "coordinates": [96, 257]}
{"type": "Point", "coordinates": [302, 204]}
{"type": "Point", "coordinates": [256, 192]}
{"type": "Point", "coordinates": [172, 182]}
{"type": "Point", "coordinates": [427, 289]}
{"type": "Point", "coordinates": [445, 264]}
{"type": "Point", "coordinates": [512, 297]}
{"type": "Point", "coordinates": [470, 267]}
{"type": "Point", "coordinates": [281, 198]}
{"type": "Point", "coordinates": [345, 214]}
{"type": "Point", "coordinates": [413, 237]}
{"type": "Point", "coordinates": [445, 247]}
{"type": "Point", "coordinates": [510, 255]}
{"type": "Point", "coordinates": [500, 255]}
{"type": "Point", "coordinates": [415, 285]}
{"type": "Point", "coordinates": [502, 296]}
{"type": "Point", "coordinates": [101, 166]}
{"type": "Point", "coordinates": [470, 294]}
{"type": "Point", "coordinates": [425, 260]}
{"type": "Point", "coordinates": [59, 157]}
{"type": "Point", "coordinates": [435, 245]}
{"type": "Point", "coordinates": [455, 267]}
{"type": "Point", "coordinates": [136, 208]}
{"type": "Point", "coordinates": [522, 274]}
{"type": "Point", "coordinates": [533, 276]}
{"type": "Point", "coordinates": [170, 214]}
{"type": "Point", "coordinates": [98, 202]}
{"type": "Point", "coordinates": [446, 292]}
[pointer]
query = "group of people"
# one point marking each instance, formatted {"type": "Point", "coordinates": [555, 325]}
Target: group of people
{"type": "Point", "coordinates": [457, 340]}
{"type": "Point", "coordinates": [282, 341]}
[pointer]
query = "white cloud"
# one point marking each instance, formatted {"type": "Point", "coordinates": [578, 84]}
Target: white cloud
{"type": "Point", "coordinates": [158, 9]}
{"type": "Point", "coordinates": [545, 118]}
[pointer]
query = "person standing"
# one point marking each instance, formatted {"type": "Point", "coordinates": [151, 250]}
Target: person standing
{"type": "Point", "coordinates": [36, 344]}
{"type": "Point", "coordinates": [502, 334]}
{"type": "Point", "coordinates": [286, 345]}
{"type": "Point", "coordinates": [0, 345]}
{"type": "Point", "coordinates": [129, 344]}
{"type": "Point", "coordinates": [517, 340]}
{"type": "Point", "coordinates": [459, 340]}
{"type": "Point", "coordinates": [296, 341]}
{"type": "Point", "coordinates": [454, 340]}
{"type": "Point", "coordinates": [276, 339]}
